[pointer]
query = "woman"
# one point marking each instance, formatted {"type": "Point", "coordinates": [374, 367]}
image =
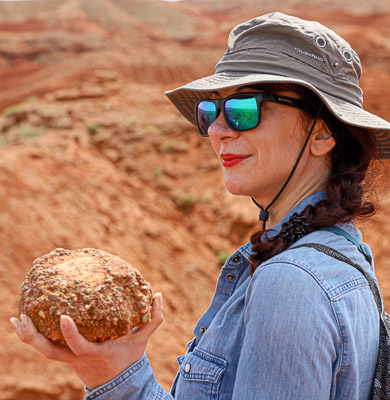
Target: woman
{"type": "Point", "coordinates": [283, 112]}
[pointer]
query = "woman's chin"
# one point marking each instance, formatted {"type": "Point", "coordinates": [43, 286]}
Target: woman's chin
{"type": "Point", "coordinates": [237, 189]}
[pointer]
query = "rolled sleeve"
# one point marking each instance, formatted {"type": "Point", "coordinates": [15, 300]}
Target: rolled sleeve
{"type": "Point", "coordinates": [292, 338]}
{"type": "Point", "coordinates": [135, 383]}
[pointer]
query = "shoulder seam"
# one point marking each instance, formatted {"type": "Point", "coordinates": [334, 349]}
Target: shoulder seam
{"type": "Point", "coordinates": [301, 268]}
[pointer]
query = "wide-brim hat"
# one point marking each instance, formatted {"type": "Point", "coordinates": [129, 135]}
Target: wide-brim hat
{"type": "Point", "coordinates": [278, 48]}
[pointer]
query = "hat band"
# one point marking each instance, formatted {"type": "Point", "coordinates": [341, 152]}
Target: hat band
{"type": "Point", "coordinates": [281, 64]}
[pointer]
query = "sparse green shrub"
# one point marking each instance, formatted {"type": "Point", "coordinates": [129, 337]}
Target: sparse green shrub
{"type": "Point", "coordinates": [158, 171]}
{"type": "Point", "coordinates": [12, 110]}
{"type": "Point", "coordinates": [207, 198]}
{"type": "Point", "coordinates": [222, 256]}
{"type": "Point", "coordinates": [131, 121]}
{"type": "Point", "coordinates": [150, 129]}
{"type": "Point", "coordinates": [32, 99]}
{"type": "Point", "coordinates": [92, 127]}
{"type": "Point", "coordinates": [167, 146]}
{"type": "Point", "coordinates": [51, 110]}
{"type": "Point", "coordinates": [28, 132]}
{"type": "Point", "coordinates": [187, 200]}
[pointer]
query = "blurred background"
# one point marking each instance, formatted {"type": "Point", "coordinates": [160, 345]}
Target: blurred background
{"type": "Point", "coordinates": [92, 154]}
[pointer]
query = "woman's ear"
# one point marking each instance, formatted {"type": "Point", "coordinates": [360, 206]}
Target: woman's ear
{"type": "Point", "coordinates": [322, 141]}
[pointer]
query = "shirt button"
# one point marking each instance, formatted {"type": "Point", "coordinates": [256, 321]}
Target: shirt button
{"type": "Point", "coordinates": [230, 277]}
{"type": "Point", "coordinates": [202, 330]}
{"type": "Point", "coordinates": [236, 259]}
{"type": "Point", "coordinates": [187, 368]}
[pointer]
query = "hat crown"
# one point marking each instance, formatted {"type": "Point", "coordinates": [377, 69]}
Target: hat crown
{"type": "Point", "coordinates": [288, 46]}
{"type": "Point", "coordinates": [278, 48]}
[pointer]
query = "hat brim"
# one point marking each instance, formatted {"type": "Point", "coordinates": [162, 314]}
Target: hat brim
{"type": "Point", "coordinates": [185, 97]}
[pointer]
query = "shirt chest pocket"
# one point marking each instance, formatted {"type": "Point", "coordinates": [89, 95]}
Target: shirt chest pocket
{"type": "Point", "coordinates": [200, 375]}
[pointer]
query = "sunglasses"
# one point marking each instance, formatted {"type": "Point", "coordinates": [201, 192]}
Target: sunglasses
{"type": "Point", "coordinates": [242, 111]}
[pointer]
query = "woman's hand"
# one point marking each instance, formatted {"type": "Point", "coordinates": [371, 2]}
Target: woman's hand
{"type": "Point", "coordinates": [94, 363]}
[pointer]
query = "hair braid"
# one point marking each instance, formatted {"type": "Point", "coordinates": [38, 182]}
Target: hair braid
{"type": "Point", "coordinates": [350, 160]}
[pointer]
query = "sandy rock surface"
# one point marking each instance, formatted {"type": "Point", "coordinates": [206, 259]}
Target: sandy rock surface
{"type": "Point", "coordinates": [104, 295]}
{"type": "Point", "coordinates": [92, 154]}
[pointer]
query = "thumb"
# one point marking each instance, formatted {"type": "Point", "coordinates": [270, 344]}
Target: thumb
{"type": "Point", "coordinates": [145, 331]}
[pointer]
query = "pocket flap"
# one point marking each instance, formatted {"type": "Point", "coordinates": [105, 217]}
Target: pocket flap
{"type": "Point", "coordinates": [191, 344]}
{"type": "Point", "coordinates": [202, 366]}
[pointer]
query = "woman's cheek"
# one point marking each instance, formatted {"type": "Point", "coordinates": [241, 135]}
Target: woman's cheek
{"type": "Point", "coordinates": [215, 146]}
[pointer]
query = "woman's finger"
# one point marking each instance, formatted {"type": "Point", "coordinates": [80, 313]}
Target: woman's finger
{"type": "Point", "coordinates": [75, 341]}
{"type": "Point", "coordinates": [18, 328]}
{"type": "Point", "coordinates": [145, 331]}
{"type": "Point", "coordinates": [43, 345]}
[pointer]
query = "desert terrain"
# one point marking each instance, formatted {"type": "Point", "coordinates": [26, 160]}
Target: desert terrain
{"type": "Point", "coordinates": [92, 154]}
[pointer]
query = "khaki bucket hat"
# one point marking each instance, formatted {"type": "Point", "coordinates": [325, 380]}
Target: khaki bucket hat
{"type": "Point", "coordinates": [278, 48]}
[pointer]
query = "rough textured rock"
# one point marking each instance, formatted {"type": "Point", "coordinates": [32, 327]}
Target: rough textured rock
{"type": "Point", "coordinates": [104, 295]}
{"type": "Point", "coordinates": [113, 188]}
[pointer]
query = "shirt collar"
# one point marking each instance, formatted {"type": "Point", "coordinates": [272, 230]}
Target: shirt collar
{"type": "Point", "coordinates": [311, 200]}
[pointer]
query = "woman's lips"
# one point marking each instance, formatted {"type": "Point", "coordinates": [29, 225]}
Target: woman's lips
{"type": "Point", "coordinates": [230, 160]}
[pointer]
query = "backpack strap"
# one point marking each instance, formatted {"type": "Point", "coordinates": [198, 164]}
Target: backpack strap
{"type": "Point", "coordinates": [342, 232]}
{"type": "Point", "coordinates": [341, 257]}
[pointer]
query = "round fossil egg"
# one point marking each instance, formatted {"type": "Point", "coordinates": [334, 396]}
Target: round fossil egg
{"type": "Point", "coordinates": [106, 297]}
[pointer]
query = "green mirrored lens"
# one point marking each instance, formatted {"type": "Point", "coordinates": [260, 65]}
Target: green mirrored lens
{"type": "Point", "coordinates": [206, 115]}
{"type": "Point", "coordinates": [242, 113]}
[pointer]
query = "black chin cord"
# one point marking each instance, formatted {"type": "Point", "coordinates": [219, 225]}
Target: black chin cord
{"type": "Point", "coordinates": [264, 213]}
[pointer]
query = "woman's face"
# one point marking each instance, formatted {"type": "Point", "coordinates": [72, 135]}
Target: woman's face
{"type": "Point", "coordinates": [257, 162]}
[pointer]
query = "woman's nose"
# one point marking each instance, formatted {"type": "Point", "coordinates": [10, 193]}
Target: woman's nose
{"type": "Point", "coordinates": [220, 130]}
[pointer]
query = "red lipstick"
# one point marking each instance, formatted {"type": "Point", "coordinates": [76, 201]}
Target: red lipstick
{"type": "Point", "coordinates": [230, 160]}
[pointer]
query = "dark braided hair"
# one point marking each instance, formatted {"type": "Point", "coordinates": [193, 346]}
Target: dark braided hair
{"type": "Point", "coordinates": [350, 159]}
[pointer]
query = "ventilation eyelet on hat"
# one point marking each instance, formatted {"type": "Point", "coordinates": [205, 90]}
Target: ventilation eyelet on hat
{"type": "Point", "coordinates": [347, 55]}
{"type": "Point", "coordinates": [243, 68]}
{"type": "Point", "coordinates": [320, 41]}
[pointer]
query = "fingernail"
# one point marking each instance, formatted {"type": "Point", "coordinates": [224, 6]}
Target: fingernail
{"type": "Point", "coordinates": [14, 322]}
{"type": "Point", "coordinates": [64, 322]}
{"type": "Point", "coordinates": [160, 300]}
{"type": "Point", "coordinates": [24, 321]}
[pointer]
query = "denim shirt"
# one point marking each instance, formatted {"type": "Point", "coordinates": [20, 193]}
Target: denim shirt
{"type": "Point", "coordinates": [304, 326]}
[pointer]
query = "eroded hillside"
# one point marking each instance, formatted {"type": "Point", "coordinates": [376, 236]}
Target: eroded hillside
{"type": "Point", "coordinates": [92, 154]}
